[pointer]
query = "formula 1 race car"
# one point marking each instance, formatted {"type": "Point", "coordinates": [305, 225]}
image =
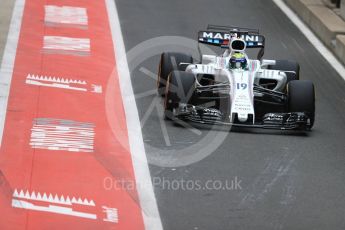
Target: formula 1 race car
{"type": "Point", "coordinates": [231, 89]}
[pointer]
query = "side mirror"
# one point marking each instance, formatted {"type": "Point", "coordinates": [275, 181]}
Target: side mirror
{"type": "Point", "coordinates": [266, 62]}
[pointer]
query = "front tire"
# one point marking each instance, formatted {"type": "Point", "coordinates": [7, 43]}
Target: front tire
{"type": "Point", "coordinates": [168, 63]}
{"type": "Point", "coordinates": [179, 89]}
{"type": "Point", "coordinates": [301, 97]}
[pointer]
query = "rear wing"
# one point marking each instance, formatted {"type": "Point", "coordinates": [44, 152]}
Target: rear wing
{"type": "Point", "coordinates": [222, 39]}
{"type": "Point", "coordinates": [220, 36]}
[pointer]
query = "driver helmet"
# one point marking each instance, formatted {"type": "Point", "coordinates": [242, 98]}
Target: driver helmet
{"type": "Point", "coordinates": [237, 61]}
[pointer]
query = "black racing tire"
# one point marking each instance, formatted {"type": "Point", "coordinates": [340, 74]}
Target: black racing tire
{"type": "Point", "coordinates": [167, 65]}
{"type": "Point", "coordinates": [287, 65]}
{"type": "Point", "coordinates": [180, 89]}
{"type": "Point", "coordinates": [301, 98]}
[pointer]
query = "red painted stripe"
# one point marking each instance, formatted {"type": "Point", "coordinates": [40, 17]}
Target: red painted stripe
{"type": "Point", "coordinates": [74, 174]}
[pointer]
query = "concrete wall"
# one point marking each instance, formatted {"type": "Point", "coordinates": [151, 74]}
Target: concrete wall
{"type": "Point", "coordinates": [342, 9]}
{"type": "Point", "coordinates": [325, 23]}
{"type": "Point", "coordinates": [340, 47]}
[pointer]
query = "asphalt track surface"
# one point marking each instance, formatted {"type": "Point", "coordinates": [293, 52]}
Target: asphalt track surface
{"type": "Point", "coordinates": [288, 180]}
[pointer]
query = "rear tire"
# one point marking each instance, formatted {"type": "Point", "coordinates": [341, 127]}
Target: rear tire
{"type": "Point", "coordinates": [180, 88]}
{"type": "Point", "coordinates": [287, 65]}
{"type": "Point", "coordinates": [301, 96]}
{"type": "Point", "coordinates": [168, 63]}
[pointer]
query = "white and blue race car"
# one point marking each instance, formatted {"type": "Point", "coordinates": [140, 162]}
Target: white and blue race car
{"type": "Point", "coordinates": [231, 89]}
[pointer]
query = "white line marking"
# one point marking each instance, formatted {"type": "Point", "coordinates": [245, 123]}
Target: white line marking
{"type": "Point", "coordinates": [147, 199]}
{"type": "Point", "coordinates": [62, 83]}
{"type": "Point", "coordinates": [57, 136]}
{"type": "Point", "coordinates": [51, 208]}
{"type": "Point", "coordinates": [54, 85]}
{"type": "Point", "coordinates": [112, 214]}
{"type": "Point", "coordinates": [55, 79]}
{"type": "Point", "coordinates": [47, 202]}
{"type": "Point", "coordinates": [313, 39]}
{"type": "Point", "coordinates": [49, 197]}
{"type": "Point", "coordinates": [66, 16]}
{"type": "Point", "coordinates": [66, 45]}
{"type": "Point", "coordinates": [8, 61]}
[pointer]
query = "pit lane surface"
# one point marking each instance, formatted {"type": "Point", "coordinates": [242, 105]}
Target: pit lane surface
{"type": "Point", "coordinates": [288, 180]}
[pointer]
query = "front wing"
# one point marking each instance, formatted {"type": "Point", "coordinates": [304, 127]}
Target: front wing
{"type": "Point", "coordinates": [211, 116]}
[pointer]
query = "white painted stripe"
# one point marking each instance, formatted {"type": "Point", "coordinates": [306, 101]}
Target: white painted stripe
{"type": "Point", "coordinates": [49, 197]}
{"type": "Point", "coordinates": [313, 39]}
{"type": "Point", "coordinates": [69, 138]}
{"type": "Point", "coordinates": [7, 64]}
{"type": "Point", "coordinates": [147, 199]}
{"type": "Point", "coordinates": [75, 16]}
{"type": "Point", "coordinates": [52, 208]}
{"type": "Point", "coordinates": [66, 44]}
{"type": "Point", "coordinates": [55, 79]}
